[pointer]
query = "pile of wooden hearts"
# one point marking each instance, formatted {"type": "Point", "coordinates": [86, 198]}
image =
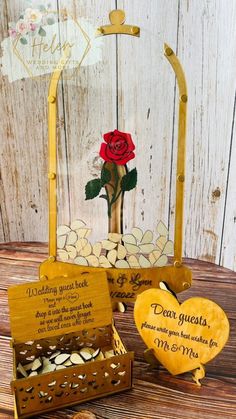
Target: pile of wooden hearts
{"type": "Point", "coordinates": [137, 249]}
{"type": "Point", "coordinates": [60, 360]}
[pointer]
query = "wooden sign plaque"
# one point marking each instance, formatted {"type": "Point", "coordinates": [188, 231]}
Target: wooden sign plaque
{"type": "Point", "coordinates": [183, 337]}
{"type": "Point", "coordinates": [124, 284]}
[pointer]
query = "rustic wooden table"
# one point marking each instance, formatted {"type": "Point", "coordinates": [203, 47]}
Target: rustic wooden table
{"type": "Point", "coordinates": [155, 394]}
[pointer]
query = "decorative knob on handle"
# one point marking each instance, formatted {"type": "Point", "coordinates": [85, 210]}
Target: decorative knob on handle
{"type": "Point", "coordinates": [117, 17]}
{"type": "Point", "coordinates": [116, 26]}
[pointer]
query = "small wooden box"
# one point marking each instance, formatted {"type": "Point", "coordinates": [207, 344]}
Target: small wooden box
{"type": "Point", "coordinates": [65, 315]}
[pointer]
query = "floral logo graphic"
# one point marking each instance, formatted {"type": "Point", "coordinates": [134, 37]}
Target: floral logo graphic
{"type": "Point", "coordinates": [40, 40]}
{"type": "Point", "coordinates": [117, 150]}
{"type": "Point", "coordinates": [31, 23]}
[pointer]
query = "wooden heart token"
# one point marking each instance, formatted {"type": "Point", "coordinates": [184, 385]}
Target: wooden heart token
{"type": "Point", "coordinates": [182, 336]}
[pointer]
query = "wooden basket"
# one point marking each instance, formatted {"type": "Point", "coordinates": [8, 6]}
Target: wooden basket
{"type": "Point", "coordinates": [75, 384]}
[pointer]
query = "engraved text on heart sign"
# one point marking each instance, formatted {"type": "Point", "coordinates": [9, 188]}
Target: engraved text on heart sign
{"type": "Point", "coordinates": [182, 336]}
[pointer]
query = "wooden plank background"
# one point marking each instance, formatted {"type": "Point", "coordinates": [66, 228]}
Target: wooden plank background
{"type": "Point", "coordinates": [132, 88]}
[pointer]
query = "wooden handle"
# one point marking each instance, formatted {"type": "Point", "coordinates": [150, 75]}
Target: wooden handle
{"type": "Point", "coordinates": [181, 152]}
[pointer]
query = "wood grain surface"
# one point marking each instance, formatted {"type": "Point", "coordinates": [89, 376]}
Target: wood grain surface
{"type": "Point", "coordinates": [156, 394]}
{"type": "Point", "coordinates": [132, 88]}
{"type": "Point", "coordinates": [88, 297]}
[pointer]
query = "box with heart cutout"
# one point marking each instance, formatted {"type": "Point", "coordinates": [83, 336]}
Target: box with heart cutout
{"type": "Point", "coordinates": [66, 349]}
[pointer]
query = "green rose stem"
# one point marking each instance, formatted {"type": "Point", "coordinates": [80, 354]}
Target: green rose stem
{"type": "Point", "coordinates": [115, 197]}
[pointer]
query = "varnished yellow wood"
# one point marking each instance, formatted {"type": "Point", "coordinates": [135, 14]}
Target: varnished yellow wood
{"type": "Point", "coordinates": [52, 153]}
{"type": "Point", "coordinates": [198, 374]}
{"type": "Point", "coordinates": [94, 372]}
{"type": "Point", "coordinates": [117, 19]}
{"type": "Point", "coordinates": [59, 306]}
{"type": "Point", "coordinates": [115, 221]}
{"type": "Point", "coordinates": [75, 314]}
{"type": "Point", "coordinates": [181, 152]}
{"type": "Point", "coordinates": [106, 338]}
{"type": "Point", "coordinates": [183, 337]}
{"type": "Point", "coordinates": [124, 284]}
{"type": "Point", "coordinates": [15, 409]}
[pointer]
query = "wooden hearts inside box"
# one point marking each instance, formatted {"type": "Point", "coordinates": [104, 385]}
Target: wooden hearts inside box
{"type": "Point", "coordinates": [77, 383]}
{"type": "Point", "coordinates": [74, 384]}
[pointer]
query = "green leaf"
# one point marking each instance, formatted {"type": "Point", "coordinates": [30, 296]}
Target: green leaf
{"type": "Point", "coordinates": [50, 21]}
{"type": "Point", "coordinates": [23, 41]}
{"type": "Point", "coordinates": [42, 31]}
{"type": "Point", "coordinates": [129, 181]}
{"type": "Point", "coordinates": [103, 196]}
{"type": "Point", "coordinates": [42, 8]}
{"type": "Point", "coordinates": [92, 189]}
{"type": "Point", "coordinates": [105, 176]}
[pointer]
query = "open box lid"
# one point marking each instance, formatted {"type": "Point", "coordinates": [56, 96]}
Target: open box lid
{"type": "Point", "coordinates": [44, 309]}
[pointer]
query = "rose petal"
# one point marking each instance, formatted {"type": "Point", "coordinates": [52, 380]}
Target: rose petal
{"type": "Point", "coordinates": [126, 159]}
{"type": "Point", "coordinates": [127, 137]}
{"type": "Point", "coordinates": [103, 154]}
{"type": "Point", "coordinates": [112, 151]}
{"type": "Point", "coordinates": [119, 147]}
{"type": "Point", "coordinates": [107, 136]}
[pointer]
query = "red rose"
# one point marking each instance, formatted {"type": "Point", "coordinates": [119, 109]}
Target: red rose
{"type": "Point", "coordinates": [118, 148]}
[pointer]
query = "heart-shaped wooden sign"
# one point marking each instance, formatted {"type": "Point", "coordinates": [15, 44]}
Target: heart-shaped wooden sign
{"type": "Point", "coordinates": [182, 336]}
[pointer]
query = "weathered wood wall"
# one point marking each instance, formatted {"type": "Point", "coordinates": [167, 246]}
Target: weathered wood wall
{"type": "Point", "coordinates": [133, 88]}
